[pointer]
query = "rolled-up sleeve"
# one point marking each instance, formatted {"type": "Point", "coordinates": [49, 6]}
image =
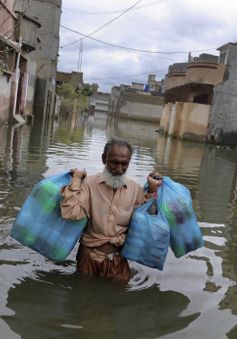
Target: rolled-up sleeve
{"type": "Point", "coordinates": [75, 203]}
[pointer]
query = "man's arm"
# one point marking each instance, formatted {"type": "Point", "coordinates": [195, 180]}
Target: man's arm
{"type": "Point", "coordinates": [75, 203]}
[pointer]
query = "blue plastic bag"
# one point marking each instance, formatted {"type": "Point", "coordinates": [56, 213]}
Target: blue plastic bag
{"type": "Point", "coordinates": [148, 237]}
{"type": "Point", "coordinates": [175, 201]}
{"type": "Point", "coordinates": [39, 224]}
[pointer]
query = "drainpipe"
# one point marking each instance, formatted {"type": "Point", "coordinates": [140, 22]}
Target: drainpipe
{"type": "Point", "coordinates": [172, 120]}
{"type": "Point", "coordinates": [17, 74]}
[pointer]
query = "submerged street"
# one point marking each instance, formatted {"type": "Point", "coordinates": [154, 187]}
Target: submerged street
{"type": "Point", "coordinates": [194, 296]}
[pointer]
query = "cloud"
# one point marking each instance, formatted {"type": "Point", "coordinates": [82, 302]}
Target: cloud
{"type": "Point", "coordinates": [165, 26]}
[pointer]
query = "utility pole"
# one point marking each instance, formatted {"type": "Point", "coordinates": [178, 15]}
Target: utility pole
{"type": "Point", "coordinates": [80, 56]}
{"type": "Point", "coordinates": [17, 75]}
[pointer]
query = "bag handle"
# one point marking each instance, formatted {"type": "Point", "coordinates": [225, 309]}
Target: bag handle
{"type": "Point", "coordinates": [146, 206]}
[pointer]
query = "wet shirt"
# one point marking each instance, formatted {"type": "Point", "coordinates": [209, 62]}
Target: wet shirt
{"type": "Point", "coordinates": [109, 211]}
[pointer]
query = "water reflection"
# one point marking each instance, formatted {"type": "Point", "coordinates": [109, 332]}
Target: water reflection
{"type": "Point", "coordinates": [195, 296]}
{"type": "Point", "coordinates": [218, 174]}
{"type": "Point", "coordinates": [72, 307]}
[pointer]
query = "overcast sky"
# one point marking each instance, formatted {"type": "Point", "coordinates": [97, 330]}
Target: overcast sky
{"type": "Point", "coordinates": [164, 26]}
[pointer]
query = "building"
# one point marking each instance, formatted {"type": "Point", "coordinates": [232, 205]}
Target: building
{"type": "Point", "coordinates": [188, 96]}
{"type": "Point", "coordinates": [19, 39]}
{"type": "Point", "coordinates": [222, 123]}
{"type": "Point", "coordinates": [138, 86]}
{"type": "Point", "coordinates": [29, 41]}
{"type": "Point", "coordinates": [153, 85]}
{"type": "Point", "coordinates": [75, 78]}
{"type": "Point", "coordinates": [99, 102]}
{"type": "Point", "coordinates": [26, 32]}
{"type": "Point", "coordinates": [129, 102]}
{"type": "Point", "coordinates": [9, 50]}
{"type": "Point", "coordinates": [43, 59]}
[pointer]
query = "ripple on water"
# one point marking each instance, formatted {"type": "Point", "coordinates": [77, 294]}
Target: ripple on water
{"type": "Point", "coordinates": [190, 298]}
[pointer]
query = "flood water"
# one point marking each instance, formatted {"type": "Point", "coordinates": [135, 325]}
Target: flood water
{"type": "Point", "coordinates": [193, 297]}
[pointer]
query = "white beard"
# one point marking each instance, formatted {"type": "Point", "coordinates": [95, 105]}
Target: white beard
{"type": "Point", "coordinates": [112, 180]}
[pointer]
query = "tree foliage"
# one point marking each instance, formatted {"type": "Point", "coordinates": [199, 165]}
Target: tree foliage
{"type": "Point", "coordinates": [73, 98]}
{"type": "Point", "coordinates": [67, 91]}
{"type": "Point", "coordinates": [70, 91]}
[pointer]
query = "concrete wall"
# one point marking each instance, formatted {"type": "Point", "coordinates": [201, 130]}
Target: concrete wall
{"type": "Point", "coordinates": [7, 18]}
{"type": "Point", "coordinates": [222, 126]}
{"type": "Point", "coordinates": [7, 22]}
{"type": "Point", "coordinates": [5, 91]}
{"type": "Point", "coordinates": [100, 101]}
{"type": "Point", "coordinates": [141, 107]}
{"type": "Point", "coordinates": [201, 70]}
{"type": "Point", "coordinates": [125, 102]}
{"type": "Point", "coordinates": [102, 105]}
{"type": "Point", "coordinates": [185, 120]}
{"type": "Point", "coordinates": [26, 28]}
{"type": "Point", "coordinates": [74, 77]}
{"type": "Point", "coordinates": [114, 100]}
{"type": "Point", "coordinates": [137, 86]}
{"type": "Point", "coordinates": [232, 62]}
{"type": "Point", "coordinates": [48, 14]}
{"type": "Point", "coordinates": [176, 75]}
{"type": "Point", "coordinates": [228, 56]}
{"type": "Point", "coordinates": [132, 105]}
{"type": "Point", "coordinates": [165, 118]}
{"type": "Point", "coordinates": [193, 120]}
{"type": "Point", "coordinates": [174, 80]}
{"type": "Point", "coordinates": [205, 73]}
{"type": "Point", "coordinates": [32, 74]}
{"type": "Point", "coordinates": [144, 112]}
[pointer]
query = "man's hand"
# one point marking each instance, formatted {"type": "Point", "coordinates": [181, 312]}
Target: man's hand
{"type": "Point", "coordinates": [154, 180]}
{"type": "Point", "coordinates": [80, 174]}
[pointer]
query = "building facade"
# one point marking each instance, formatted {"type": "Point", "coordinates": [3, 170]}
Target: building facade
{"type": "Point", "coordinates": [43, 59]}
{"type": "Point", "coordinates": [222, 124]}
{"type": "Point", "coordinates": [129, 102]}
{"type": "Point", "coordinates": [29, 41]}
{"type": "Point", "coordinates": [8, 53]}
{"type": "Point", "coordinates": [99, 102]}
{"type": "Point", "coordinates": [188, 96]}
{"type": "Point", "coordinates": [75, 78]}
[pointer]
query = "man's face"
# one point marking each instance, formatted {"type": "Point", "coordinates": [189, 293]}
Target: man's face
{"type": "Point", "coordinates": [117, 160]}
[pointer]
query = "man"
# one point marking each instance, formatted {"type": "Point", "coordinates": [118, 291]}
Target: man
{"type": "Point", "coordinates": [108, 200]}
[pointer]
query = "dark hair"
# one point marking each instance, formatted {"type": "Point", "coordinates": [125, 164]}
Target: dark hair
{"type": "Point", "coordinates": [119, 142]}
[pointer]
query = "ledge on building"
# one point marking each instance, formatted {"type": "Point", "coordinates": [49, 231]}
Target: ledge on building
{"type": "Point", "coordinates": [17, 119]}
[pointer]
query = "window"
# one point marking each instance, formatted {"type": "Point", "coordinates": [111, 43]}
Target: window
{"type": "Point", "coordinates": [222, 58]}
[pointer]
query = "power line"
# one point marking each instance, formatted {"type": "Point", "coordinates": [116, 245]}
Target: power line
{"type": "Point", "coordinates": [151, 4]}
{"type": "Point", "coordinates": [130, 48]}
{"type": "Point", "coordinates": [106, 24]}
{"type": "Point", "coordinates": [114, 11]}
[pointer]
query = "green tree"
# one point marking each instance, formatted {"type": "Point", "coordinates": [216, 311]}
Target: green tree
{"type": "Point", "coordinates": [67, 91]}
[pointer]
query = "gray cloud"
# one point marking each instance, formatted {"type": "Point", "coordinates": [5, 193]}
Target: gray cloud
{"type": "Point", "coordinates": [169, 26]}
